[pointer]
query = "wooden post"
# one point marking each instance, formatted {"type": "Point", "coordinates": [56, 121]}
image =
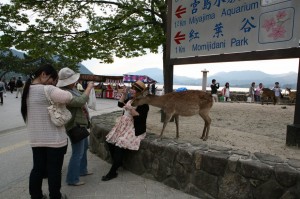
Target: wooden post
{"type": "Point", "coordinates": [293, 130]}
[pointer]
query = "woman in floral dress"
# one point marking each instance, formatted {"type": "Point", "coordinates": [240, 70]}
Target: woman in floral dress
{"type": "Point", "coordinates": [129, 131]}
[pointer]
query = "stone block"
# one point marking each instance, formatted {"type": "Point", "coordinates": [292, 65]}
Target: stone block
{"type": "Point", "coordinates": [285, 175]}
{"type": "Point", "coordinates": [215, 163]}
{"type": "Point", "coordinates": [206, 182]}
{"type": "Point", "coordinates": [254, 169]}
{"type": "Point", "coordinates": [268, 190]}
{"type": "Point", "coordinates": [232, 185]}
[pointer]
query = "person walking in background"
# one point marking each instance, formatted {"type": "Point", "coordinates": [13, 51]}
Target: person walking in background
{"type": "Point", "coordinates": [48, 142]}
{"type": "Point", "coordinates": [129, 131]}
{"type": "Point", "coordinates": [226, 92]}
{"type": "Point", "coordinates": [19, 86]}
{"type": "Point", "coordinates": [153, 89]}
{"type": "Point", "coordinates": [214, 90]}
{"type": "Point", "coordinates": [277, 90]}
{"type": "Point", "coordinates": [252, 91]}
{"type": "Point", "coordinates": [84, 84]}
{"type": "Point", "coordinates": [6, 84]}
{"type": "Point", "coordinates": [2, 91]}
{"type": "Point", "coordinates": [149, 88]}
{"type": "Point", "coordinates": [163, 90]}
{"type": "Point", "coordinates": [258, 92]}
{"type": "Point", "coordinates": [12, 84]}
{"type": "Point", "coordinates": [67, 80]}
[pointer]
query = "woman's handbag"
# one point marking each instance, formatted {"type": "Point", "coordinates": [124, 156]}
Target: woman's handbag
{"type": "Point", "coordinates": [59, 114]}
{"type": "Point", "coordinates": [77, 133]}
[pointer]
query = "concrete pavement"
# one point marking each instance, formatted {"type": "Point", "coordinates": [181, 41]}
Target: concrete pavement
{"type": "Point", "coordinates": [126, 185]}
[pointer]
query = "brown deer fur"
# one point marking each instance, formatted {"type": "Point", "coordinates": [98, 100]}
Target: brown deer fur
{"type": "Point", "coordinates": [186, 103]}
{"type": "Point", "coordinates": [292, 95]}
{"type": "Point", "coordinates": [268, 94]}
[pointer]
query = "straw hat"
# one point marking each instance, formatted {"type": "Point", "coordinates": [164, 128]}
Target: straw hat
{"type": "Point", "coordinates": [139, 86]}
{"type": "Point", "coordinates": [66, 76]}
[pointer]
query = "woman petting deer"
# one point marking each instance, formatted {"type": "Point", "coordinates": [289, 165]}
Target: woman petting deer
{"type": "Point", "coordinates": [129, 131]}
{"type": "Point", "coordinates": [186, 103]}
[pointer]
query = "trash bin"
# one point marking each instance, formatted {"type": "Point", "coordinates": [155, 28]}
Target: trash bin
{"type": "Point", "coordinates": [163, 116]}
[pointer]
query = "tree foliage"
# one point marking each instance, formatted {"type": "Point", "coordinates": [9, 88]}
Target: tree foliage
{"type": "Point", "coordinates": [24, 64]}
{"type": "Point", "coordinates": [84, 29]}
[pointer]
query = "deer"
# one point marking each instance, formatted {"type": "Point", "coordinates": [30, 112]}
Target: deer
{"type": "Point", "coordinates": [268, 94]}
{"type": "Point", "coordinates": [292, 95]}
{"type": "Point", "coordinates": [185, 103]}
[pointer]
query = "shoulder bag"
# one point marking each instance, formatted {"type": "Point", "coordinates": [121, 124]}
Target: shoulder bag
{"type": "Point", "coordinates": [77, 133]}
{"type": "Point", "coordinates": [59, 114]}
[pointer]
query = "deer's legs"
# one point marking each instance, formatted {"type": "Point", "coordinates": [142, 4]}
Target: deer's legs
{"type": "Point", "coordinates": [207, 122]}
{"type": "Point", "coordinates": [177, 125]}
{"type": "Point", "coordinates": [167, 119]}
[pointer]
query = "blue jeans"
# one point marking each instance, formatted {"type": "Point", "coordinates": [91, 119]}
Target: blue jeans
{"type": "Point", "coordinates": [46, 162]}
{"type": "Point", "coordinates": [78, 161]}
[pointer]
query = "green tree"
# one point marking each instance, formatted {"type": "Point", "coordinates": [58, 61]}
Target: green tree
{"type": "Point", "coordinates": [84, 29]}
{"type": "Point", "coordinates": [24, 64]}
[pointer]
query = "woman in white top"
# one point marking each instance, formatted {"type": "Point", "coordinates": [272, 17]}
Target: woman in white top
{"type": "Point", "coordinates": [252, 91]}
{"type": "Point", "coordinates": [48, 142]}
{"type": "Point", "coordinates": [226, 92]}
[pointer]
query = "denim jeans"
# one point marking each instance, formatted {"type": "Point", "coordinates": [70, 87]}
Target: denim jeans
{"type": "Point", "coordinates": [46, 162]}
{"type": "Point", "coordinates": [78, 161]}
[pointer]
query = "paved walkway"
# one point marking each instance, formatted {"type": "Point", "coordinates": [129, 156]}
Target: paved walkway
{"type": "Point", "coordinates": [126, 185]}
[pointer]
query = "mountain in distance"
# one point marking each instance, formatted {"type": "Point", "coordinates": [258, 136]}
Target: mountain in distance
{"type": "Point", "coordinates": [242, 79]}
{"type": "Point", "coordinates": [157, 74]}
{"type": "Point", "coordinates": [17, 53]}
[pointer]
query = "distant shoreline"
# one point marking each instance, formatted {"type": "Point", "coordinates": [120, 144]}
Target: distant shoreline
{"type": "Point", "coordinates": [232, 89]}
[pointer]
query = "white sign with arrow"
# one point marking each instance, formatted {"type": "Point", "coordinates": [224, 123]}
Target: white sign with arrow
{"type": "Point", "coordinates": [211, 27]}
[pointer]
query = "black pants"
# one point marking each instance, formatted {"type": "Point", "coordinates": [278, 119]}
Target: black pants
{"type": "Point", "coordinates": [1, 97]}
{"type": "Point", "coordinates": [117, 155]}
{"type": "Point", "coordinates": [46, 161]}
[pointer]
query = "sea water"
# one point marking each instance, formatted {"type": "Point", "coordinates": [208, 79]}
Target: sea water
{"type": "Point", "coordinates": [189, 87]}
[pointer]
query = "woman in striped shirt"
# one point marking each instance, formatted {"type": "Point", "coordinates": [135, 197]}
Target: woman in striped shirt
{"type": "Point", "coordinates": [48, 142]}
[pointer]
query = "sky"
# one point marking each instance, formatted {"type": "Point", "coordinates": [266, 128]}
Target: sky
{"type": "Point", "coordinates": [123, 66]}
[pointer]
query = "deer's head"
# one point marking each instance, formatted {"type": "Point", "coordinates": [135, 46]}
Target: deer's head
{"type": "Point", "coordinates": [141, 100]}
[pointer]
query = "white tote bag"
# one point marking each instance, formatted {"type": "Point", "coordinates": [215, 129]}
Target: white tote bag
{"type": "Point", "coordinates": [92, 100]}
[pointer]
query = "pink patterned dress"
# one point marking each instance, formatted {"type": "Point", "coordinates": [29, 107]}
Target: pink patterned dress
{"type": "Point", "coordinates": [123, 133]}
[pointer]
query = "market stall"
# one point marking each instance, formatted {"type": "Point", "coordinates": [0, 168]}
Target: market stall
{"type": "Point", "coordinates": [133, 78]}
{"type": "Point", "coordinates": [111, 86]}
{"type": "Point", "coordinates": [107, 87]}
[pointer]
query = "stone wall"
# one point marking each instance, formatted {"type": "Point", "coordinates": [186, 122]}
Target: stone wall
{"type": "Point", "coordinates": [242, 97]}
{"type": "Point", "coordinates": [204, 171]}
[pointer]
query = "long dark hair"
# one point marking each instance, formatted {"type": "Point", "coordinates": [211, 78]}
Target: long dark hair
{"type": "Point", "coordinates": [48, 69]}
{"type": "Point", "coordinates": [227, 85]}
